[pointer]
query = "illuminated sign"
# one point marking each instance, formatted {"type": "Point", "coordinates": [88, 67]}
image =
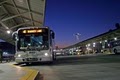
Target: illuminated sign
{"type": "Point", "coordinates": [32, 31]}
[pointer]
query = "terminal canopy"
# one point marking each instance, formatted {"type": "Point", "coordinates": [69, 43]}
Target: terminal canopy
{"type": "Point", "coordinates": [15, 14]}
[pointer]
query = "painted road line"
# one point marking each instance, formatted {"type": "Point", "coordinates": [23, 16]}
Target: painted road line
{"type": "Point", "coordinates": [34, 75]}
{"type": "Point", "coordinates": [31, 73]}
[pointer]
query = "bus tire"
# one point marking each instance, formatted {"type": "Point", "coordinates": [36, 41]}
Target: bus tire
{"type": "Point", "coordinates": [17, 63]}
{"type": "Point", "coordinates": [27, 63]}
{"type": "Point", "coordinates": [115, 51]}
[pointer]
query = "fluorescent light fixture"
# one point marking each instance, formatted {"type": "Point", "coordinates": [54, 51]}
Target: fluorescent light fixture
{"type": "Point", "coordinates": [29, 44]}
{"type": "Point", "coordinates": [88, 44]}
{"type": "Point", "coordinates": [8, 31]}
{"type": "Point", "coordinates": [105, 40]}
{"type": "Point", "coordinates": [94, 43]}
{"type": "Point", "coordinates": [115, 38]}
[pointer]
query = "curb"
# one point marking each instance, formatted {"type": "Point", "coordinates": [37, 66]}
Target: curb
{"type": "Point", "coordinates": [31, 74]}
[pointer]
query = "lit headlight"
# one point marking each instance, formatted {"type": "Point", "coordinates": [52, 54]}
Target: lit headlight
{"type": "Point", "coordinates": [19, 55]}
{"type": "Point", "coordinates": [46, 54]}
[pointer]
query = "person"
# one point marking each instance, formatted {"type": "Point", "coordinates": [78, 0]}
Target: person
{"type": "Point", "coordinates": [1, 55]}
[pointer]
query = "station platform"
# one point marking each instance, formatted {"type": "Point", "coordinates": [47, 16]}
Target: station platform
{"type": "Point", "coordinates": [8, 71]}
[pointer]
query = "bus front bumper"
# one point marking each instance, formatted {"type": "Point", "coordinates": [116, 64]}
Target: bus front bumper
{"type": "Point", "coordinates": [24, 60]}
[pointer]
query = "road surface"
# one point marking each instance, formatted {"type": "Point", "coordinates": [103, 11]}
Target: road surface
{"type": "Point", "coordinates": [90, 67]}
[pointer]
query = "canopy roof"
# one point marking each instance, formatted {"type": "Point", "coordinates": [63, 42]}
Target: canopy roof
{"type": "Point", "coordinates": [15, 14]}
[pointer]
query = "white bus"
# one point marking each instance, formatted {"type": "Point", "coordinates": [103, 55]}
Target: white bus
{"type": "Point", "coordinates": [115, 45]}
{"type": "Point", "coordinates": [34, 44]}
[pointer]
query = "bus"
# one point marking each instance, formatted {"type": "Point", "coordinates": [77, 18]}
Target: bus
{"type": "Point", "coordinates": [115, 46]}
{"type": "Point", "coordinates": [34, 44]}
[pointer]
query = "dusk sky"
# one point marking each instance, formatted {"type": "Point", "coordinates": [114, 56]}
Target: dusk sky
{"type": "Point", "coordinates": [87, 17]}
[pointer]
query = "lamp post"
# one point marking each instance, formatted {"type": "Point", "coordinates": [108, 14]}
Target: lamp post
{"type": "Point", "coordinates": [77, 36]}
{"type": "Point", "coordinates": [1, 55]}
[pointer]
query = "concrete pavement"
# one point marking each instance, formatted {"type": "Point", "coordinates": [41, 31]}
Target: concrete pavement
{"type": "Point", "coordinates": [10, 72]}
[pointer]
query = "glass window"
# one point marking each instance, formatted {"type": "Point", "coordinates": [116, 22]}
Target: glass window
{"type": "Point", "coordinates": [33, 41]}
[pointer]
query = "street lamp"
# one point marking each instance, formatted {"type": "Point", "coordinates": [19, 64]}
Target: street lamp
{"type": "Point", "coordinates": [77, 35]}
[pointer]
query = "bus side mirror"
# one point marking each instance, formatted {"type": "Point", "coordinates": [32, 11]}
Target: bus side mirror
{"type": "Point", "coordinates": [53, 35]}
{"type": "Point", "coordinates": [15, 36]}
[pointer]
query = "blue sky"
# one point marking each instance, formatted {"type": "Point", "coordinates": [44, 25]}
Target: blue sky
{"type": "Point", "coordinates": [87, 17]}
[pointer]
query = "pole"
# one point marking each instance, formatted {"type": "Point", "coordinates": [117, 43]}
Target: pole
{"type": "Point", "coordinates": [1, 55]}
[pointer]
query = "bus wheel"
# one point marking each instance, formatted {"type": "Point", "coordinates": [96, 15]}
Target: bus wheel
{"type": "Point", "coordinates": [54, 57]}
{"type": "Point", "coordinates": [27, 63]}
{"type": "Point", "coordinates": [19, 63]}
{"type": "Point", "coordinates": [115, 51]}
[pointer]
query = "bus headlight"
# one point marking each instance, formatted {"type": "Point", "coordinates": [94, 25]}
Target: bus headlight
{"type": "Point", "coordinates": [19, 55]}
{"type": "Point", "coordinates": [46, 54]}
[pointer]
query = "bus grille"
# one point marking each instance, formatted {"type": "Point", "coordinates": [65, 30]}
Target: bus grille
{"type": "Point", "coordinates": [32, 59]}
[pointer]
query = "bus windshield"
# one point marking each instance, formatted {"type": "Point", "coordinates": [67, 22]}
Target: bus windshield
{"type": "Point", "coordinates": [33, 42]}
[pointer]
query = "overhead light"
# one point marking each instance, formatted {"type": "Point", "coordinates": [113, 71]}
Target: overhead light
{"type": "Point", "coordinates": [8, 31]}
{"type": "Point", "coordinates": [105, 40]}
{"type": "Point", "coordinates": [88, 44]}
{"type": "Point", "coordinates": [115, 38]}
{"type": "Point", "coordinates": [94, 43]}
{"type": "Point", "coordinates": [29, 44]}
